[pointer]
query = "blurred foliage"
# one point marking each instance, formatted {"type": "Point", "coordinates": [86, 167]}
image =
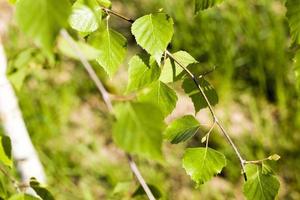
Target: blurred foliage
{"type": "Point", "coordinates": [249, 44]}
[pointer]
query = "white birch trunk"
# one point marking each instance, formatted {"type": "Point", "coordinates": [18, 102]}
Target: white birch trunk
{"type": "Point", "coordinates": [27, 161]}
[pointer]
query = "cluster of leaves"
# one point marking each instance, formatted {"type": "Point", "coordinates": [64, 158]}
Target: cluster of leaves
{"type": "Point", "coordinates": [139, 128]}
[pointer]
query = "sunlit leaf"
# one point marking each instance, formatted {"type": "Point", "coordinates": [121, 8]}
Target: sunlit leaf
{"type": "Point", "coordinates": [203, 163]}
{"type": "Point", "coordinates": [85, 18]}
{"type": "Point", "coordinates": [153, 32]}
{"type": "Point", "coordinates": [5, 151]}
{"type": "Point", "coordinates": [182, 129]}
{"type": "Point", "coordinates": [198, 100]}
{"type": "Point", "coordinates": [142, 72]}
{"type": "Point", "coordinates": [42, 19]}
{"type": "Point", "coordinates": [160, 94]}
{"type": "Point", "coordinates": [260, 186]}
{"type": "Point", "coordinates": [112, 47]}
{"type": "Point", "coordinates": [172, 70]}
{"type": "Point", "coordinates": [204, 4]}
{"type": "Point", "coordinates": [293, 15]}
{"type": "Point", "coordinates": [138, 129]}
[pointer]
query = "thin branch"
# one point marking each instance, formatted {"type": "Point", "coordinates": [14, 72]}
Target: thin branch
{"type": "Point", "coordinates": [256, 161]}
{"type": "Point", "coordinates": [88, 68]}
{"type": "Point", "coordinates": [117, 14]}
{"type": "Point", "coordinates": [216, 120]}
{"type": "Point", "coordinates": [107, 100]}
{"type": "Point", "coordinates": [274, 157]}
{"type": "Point", "coordinates": [140, 178]}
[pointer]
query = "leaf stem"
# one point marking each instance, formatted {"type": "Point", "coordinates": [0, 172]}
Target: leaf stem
{"type": "Point", "coordinates": [208, 133]}
{"type": "Point", "coordinates": [108, 103]}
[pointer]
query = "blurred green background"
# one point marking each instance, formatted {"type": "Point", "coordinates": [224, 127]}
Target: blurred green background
{"type": "Point", "coordinates": [249, 45]}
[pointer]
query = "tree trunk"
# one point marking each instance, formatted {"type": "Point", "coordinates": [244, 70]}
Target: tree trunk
{"type": "Point", "coordinates": [24, 154]}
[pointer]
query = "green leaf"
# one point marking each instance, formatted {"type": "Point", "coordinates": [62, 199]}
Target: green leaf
{"type": "Point", "coordinates": [5, 151]}
{"type": "Point", "coordinates": [203, 163]}
{"type": "Point", "coordinates": [112, 46]}
{"type": "Point", "coordinates": [293, 15]}
{"type": "Point", "coordinates": [198, 100]}
{"type": "Point", "coordinates": [138, 129]}
{"type": "Point", "coordinates": [171, 71]}
{"type": "Point", "coordinates": [182, 129]}
{"type": "Point", "coordinates": [204, 4]}
{"type": "Point", "coordinates": [104, 3]}
{"type": "Point", "coordinates": [160, 94]}
{"type": "Point", "coordinates": [153, 32]}
{"type": "Point", "coordinates": [23, 197]}
{"type": "Point", "coordinates": [142, 72]}
{"type": "Point", "coordinates": [260, 186]}
{"type": "Point", "coordinates": [42, 19]}
{"type": "Point", "coordinates": [43, 192]}
{"type": "Point", "coordinates": [85, 18]}
{"type": "Point", "coordinates": [88, 51]}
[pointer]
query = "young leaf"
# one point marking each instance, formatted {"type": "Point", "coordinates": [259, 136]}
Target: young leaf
{"type": "Point", "coordinates": [23, 197]}
{"type": "Point", "coordinates": [43, 192]}
{"type": "Point", "coordinates": [204, 4]}
{"type": "Point", "coordinates": [138, 129]}
{"type": "Point", "coordinates": [142, 72]}
{"type": "Point", "coordinates": [42, 19]}
{"type": "Point", "coordinates": [84, 18]}
{"type": "Point", "coordinates": [5, 151]}
{"type": "Point", "coordinates": [203, 163]}
{"type": "Point", "coordinates": [198, 100]}
{"type": "Point", "coordinates": [172, 70]}
{"type": "Point", "coordinates": [160, 94]}
{"type": "Point", "coordinates": [182, 129]}
{"type": "Point", "coordinates": [260, 186]}
{"type": "Point", "coordinates": [293, 15]}
{"type": "Point", "coordinates": [88, 51]}
{"type": "Point", "coordinates": [112, 46]}
{"type": "Point", "coordinates": [153, 32]}
{"type": "Point", "coordinates": [274, 157]}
